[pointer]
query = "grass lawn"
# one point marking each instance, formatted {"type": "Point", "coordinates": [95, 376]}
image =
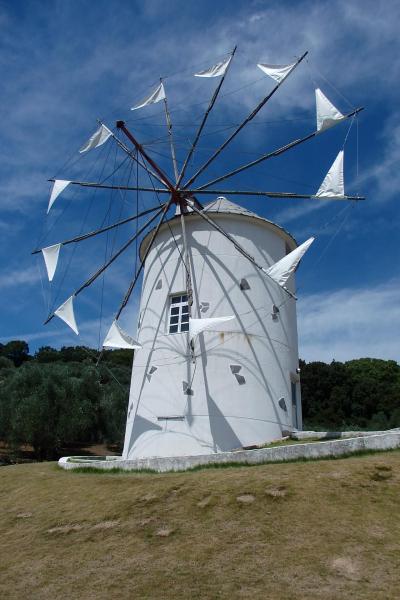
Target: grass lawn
{"type": "Point", "coordinates": [315, 530]}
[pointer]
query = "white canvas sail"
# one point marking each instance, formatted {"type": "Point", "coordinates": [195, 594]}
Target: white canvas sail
{"type": "Point", "coordinates": [333, 184]}
{"type": "Point", "coordinates": [118, 338]}
{"type": "Point", "coordinates": [196, 326]}
{"type": "Point", "coordinates": [65, 312]}
{"type": "Point", "coordinates": [156, 96]}
{"type": "Point", "coordinates": [327, 114]}
{"type": "Point", "coordinates": [58, 186]}
{"type": "Point", "coordinates": [277, 72]}
{"type": "Point", "coordinates": [99, 138]}
{"type": "Point", "coordinates": [216, 70]}
{"type": "Point", "coordinates": [282, 270]}
{"type": "Point", "coordinates": [50, 255]}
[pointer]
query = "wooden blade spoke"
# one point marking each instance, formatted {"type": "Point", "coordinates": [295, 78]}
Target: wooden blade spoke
{"type": "Point", "coordinates": [203, 122]}
{"type": "Point", "coordinates": [269, 155]}
{"type": "Point", "coordinates": [89, 281]}
{"type": "Point", "coordinates": [90, 234]}
{"type": "Point", "coordinates": [243, 124]}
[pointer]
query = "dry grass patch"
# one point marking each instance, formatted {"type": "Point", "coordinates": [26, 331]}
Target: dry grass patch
{"type": "Point", "coordinates": [245, 499]}
{"type": "Point", "coordinates": [276, 492]}
{"type": "Point", "coordinates": [317, 530]}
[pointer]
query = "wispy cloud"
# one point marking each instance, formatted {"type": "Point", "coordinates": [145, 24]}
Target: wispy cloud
{"type": "Point", "coordinates": [384, 173]}
{"type": "Point", "coordinates": [351, 323]}
{"type": "Point", "coordinates": [15, 277]}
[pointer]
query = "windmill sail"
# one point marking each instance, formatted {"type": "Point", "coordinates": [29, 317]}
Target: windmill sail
{"type": "Point", "coordinates": [118, 338]}
{"type": "Point", "coordinates": [65, 312]}
{"type": "Point", "coordinates": [333, 184]}
{"type": "Point", "coordinates": [156, 96]}
{"type": "Point", "coordinates": [196, 326]}
{"type": "Point", "coordinates": [282, 270]}
{"type": "Point", "coordinates": [50, 255]}
{"type": "Point", "coordinates": [216, 70]}
{"type": "Point", "coordinates": [98, 139]}
{"type": "Point", "coordinates": [58, 186]}
{"type": "Point", "coordinates": [327, 114]}
{"type": "Point", "coordinates": [277, 72]}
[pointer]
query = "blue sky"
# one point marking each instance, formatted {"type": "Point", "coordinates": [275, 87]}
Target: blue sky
{"type": "Point", "coordinates": [66, 63]}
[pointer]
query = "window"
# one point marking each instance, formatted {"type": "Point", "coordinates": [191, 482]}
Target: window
{"type": "Point", "coordinates": [178, 314]}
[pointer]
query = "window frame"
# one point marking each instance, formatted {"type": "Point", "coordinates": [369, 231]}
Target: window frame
{"type": "Point", "coordinates": [178, 313]}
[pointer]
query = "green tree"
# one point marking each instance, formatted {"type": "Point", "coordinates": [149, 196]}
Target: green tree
{"type": "Point", "coordinates": [47, 354]}
{"type": "Point", "coordinates": [17, 351]}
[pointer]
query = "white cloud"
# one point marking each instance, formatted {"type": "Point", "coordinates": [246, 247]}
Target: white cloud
{"type": "Point", "coordinates": [385, 173]}
{"type": "Point", "coordinates": [351, 323]}
{"type": "Point", "coordinates": [15, 277]}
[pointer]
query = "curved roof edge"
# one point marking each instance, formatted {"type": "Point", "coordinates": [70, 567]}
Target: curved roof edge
{"type": "Point", "coordinates": [223, 206]}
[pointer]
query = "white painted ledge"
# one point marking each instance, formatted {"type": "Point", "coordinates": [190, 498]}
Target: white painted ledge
{"type": "Point", "coordinates": [331, 448]}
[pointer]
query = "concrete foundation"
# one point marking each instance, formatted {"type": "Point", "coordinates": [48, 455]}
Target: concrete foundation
{"type": "Point", "coordinates": [364, 441]}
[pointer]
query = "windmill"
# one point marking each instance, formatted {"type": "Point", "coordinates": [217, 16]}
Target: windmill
{"type": "Point", "coordinates": [216, 358]}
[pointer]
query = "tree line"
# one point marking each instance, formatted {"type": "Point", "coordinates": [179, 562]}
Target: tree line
{"type": "Point", "coordinates": [55, 398]}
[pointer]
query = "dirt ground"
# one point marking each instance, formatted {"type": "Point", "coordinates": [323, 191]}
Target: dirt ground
{"type": "Point", "coordinates": [316, 530]}
{"type": "Point", "coordinates": [26, 454]}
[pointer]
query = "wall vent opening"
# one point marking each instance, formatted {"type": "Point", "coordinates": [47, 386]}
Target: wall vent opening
{"type": "Point", "coordinates": [204, 306]}
{"type": "Point", "coordinates": [275, 312]}
{"type": "Point", "coordinates": [187, 390]}
{"type": "Point", "coordinates": [151, 372]}
{"type": "Point", "coordinates": [235, 370]}
{"type": "Point", "coordinates": [282, 404]}
{"type": "Point", "coordinates": [244, 285]}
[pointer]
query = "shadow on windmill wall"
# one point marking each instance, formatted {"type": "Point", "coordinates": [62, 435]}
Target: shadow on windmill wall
{"type": "Point", "coordinates": [141, 425]}
{"type": "Point", "coordinates": [223, 436]}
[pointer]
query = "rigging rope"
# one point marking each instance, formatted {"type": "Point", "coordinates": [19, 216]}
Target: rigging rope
{"type": "Point", "coordinates": [314, 265]}
{"type": "Point", "coordinates": [352, 106]}
{"type": "Point", "coordinates": [53, 304]}
{"type": "Point", "coordinates": [45, 232]}
{"type": "Point", "coordinates": [191, 68]}
{"type": "Point", "coordinates": [108, 217]}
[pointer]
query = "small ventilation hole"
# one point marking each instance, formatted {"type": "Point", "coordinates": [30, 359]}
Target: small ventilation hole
{"type": "Point", "coordinates": [244, 285]}
{"type": "Point", "coordinates": [204, 306]}
{"type": "Point", "coordinates": [235, 370]}
{"type": "Point", "coordinates": [275, 312]}
{"type": "Point", "coordinates": [282, 404]}
{"type": "Point", "coordinates": [159, 284]}
{"type": "Point", "coordinates": [151, 372]}
{"type": "Point", "coordinates": [186, 389]}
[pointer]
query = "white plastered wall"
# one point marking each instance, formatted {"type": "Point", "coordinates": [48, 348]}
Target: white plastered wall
{"type": "Point", "coordinates": [222, 411]}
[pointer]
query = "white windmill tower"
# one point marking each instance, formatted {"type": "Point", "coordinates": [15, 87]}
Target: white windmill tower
{"type": "Point", "coordinates": [216, 356]}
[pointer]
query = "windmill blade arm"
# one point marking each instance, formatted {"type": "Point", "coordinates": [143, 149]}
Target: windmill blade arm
{"type": "Point", "coordinates": [159, 174]}
{"type": "Point", "coordinates": [238, 246]}
{"type": "Point", "coordinates": [171, 138]}
{"type": "Point", "coordinates": [244, 123]}
{"type": "Point", "coordinates": [93, 184]}
{"type": "Point", "coordinates": [135, 158]}
{"type": "Point", "coordinates": [89, 281]}
{"type": "Point", "coordinates": [135, 279]}
{"type": "Point", "coordinates": [90, 234]}
{"type": "Point", "coordinates": [203, 122]}
{"type": "Point", "coordinates": [288, 195]}
{"type": "Point", "coordinates": [268, 155]}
